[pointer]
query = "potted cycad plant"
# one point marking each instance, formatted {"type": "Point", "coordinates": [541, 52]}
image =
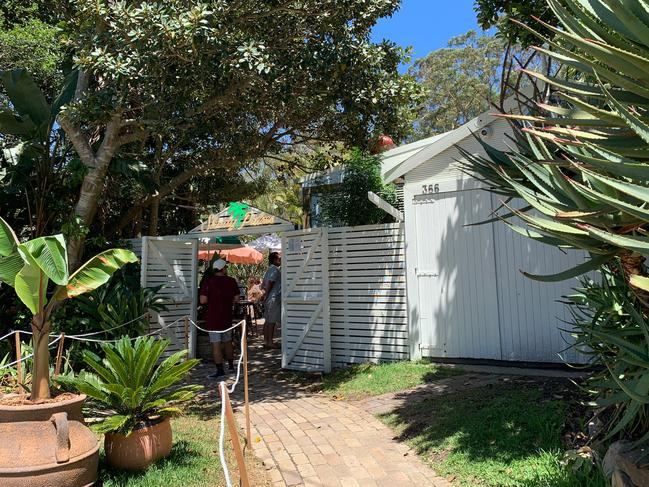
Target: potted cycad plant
{"type": "Point", "coordinates": [24, 422]}
{"type": "Point", "coordinates": [136, 393]}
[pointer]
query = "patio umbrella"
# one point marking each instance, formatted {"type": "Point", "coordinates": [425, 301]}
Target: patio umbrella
{"type": "Point", "coordinates": [242, 255]}
{"type": "Point", "coordinates": [267, 242]}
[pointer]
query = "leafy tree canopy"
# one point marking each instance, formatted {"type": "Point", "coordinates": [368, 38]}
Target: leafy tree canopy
{"type": "Point", "coordinates": [459, 82]}
{"type": "Point", "coordinates": [499, 13]}
{"type": "Point", "coordinates": [220, 84]}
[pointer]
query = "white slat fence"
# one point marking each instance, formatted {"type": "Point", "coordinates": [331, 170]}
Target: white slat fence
{"type": "Point", "coordinates": [174, 264]}
{"type": "Point", "coordinates": [343, 297]}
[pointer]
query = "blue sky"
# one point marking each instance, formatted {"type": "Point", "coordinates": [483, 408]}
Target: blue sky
{"type": "Point", "coordinates": [427, 25]}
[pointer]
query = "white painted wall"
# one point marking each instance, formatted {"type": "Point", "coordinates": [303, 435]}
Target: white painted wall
{"type": "Point", "coordinates": [466, 296]}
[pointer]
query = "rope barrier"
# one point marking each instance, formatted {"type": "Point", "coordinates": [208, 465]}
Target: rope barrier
{"type": "Point", "coordinates": [29, 356]}
{"type": "Point", "coordinates": [110, 329]}
{"type": "Point", "coordinates": [83, 334]}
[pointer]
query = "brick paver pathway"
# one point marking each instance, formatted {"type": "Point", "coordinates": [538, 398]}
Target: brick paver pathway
{"type": "Point", "coordinates": [308, 439]}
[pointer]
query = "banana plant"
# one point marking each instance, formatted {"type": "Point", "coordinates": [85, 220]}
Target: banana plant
{"type": "Point", "coordinates": [29, 267]}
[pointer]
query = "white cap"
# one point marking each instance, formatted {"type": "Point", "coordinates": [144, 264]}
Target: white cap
{"type": "Point", "coordinates": [219, 264]}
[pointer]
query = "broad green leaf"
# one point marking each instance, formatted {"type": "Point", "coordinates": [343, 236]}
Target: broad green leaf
{"type": "Point", "coordinates": [25, 96]}
{"type": "Point", "coordinates": [66, 94]}
{"type": "Point", "coordinates": [50, 255]}
{"type": "Point", "coordinates": [31, 284]}
{"type": "Point", "coordinates": [94, 273]}
{"type": "Point", "coordinates": [10, 266]}
{"type": "Point", "coordinates": [8, 240]}
{"type": "Point", "coordinates": [588, 266]}
{"type": "Point", "coordinates": [10, 124]}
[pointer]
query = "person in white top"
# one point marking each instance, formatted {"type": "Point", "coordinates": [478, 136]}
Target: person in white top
{"type": "Point", "coordinates": [272, 287]}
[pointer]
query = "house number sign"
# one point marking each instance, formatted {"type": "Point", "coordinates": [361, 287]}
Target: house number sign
{"type": "Point", "coordinates": [430, 188]}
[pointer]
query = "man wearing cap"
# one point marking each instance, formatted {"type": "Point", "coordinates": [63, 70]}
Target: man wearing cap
{"type": "Point", "coordinates": [220, 292]}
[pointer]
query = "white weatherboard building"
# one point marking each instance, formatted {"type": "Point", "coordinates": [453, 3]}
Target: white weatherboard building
{"type": "Point", "coordinates": [466, 296]}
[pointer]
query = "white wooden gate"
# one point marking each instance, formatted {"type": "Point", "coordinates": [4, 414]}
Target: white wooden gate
{"type": "Point", "coordinates": [173, 264]}
{"type": "Point", "coordinates": [343, 297]}
{"type": "Point", "coordinates": [305, 304]}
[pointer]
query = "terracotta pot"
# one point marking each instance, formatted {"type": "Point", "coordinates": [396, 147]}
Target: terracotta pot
{"type": "Point", "coordinates": [141, 448]}
{"type": "Point", "coordinates": [43, 412]}
{"type": "Point", "coordinates": [52, 453]}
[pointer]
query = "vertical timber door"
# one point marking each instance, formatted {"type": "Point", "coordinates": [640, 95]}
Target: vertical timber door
{"type": "Point", "coordinates": [172, 264]}
{"type": "Point", "coordinates": [456, 276]}
{"type": "Point", "coordinates": [305, 301]}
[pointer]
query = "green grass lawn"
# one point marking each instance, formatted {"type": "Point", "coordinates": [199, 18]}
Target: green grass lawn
{"type": "Point", "coordinates": [504, 435]}
{"type": "Point", "coordinates": [364, 380]}
{"type": "Point", "coordinates": [193, 462]}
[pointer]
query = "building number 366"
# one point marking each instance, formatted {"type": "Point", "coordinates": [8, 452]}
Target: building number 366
{"type": "Point", "coordinates": [430, 188]}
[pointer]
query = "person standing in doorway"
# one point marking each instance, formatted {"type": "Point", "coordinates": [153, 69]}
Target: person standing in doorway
{"type": "Point", "coordinates": [272, 287]}
{"type": "Point", "coordinates": [220, 292]}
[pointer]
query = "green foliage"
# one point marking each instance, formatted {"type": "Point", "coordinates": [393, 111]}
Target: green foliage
{"type": "Point", "coordinates": [131, 386]}
{"type": "Point", "coordinates": [32, 46]}
{"type": "Point", "coordinates": [346, 204]}
{"type": "Point", "coordinates": [499, 13]}
{"type": "Point", "coordinates": [611, 328]}
{"type": "Point", "coordinates": [116, 310]}
{"type": "Point", "coordinates": [10, 379]}
{"type": "Point", "coordinates": [35, 164]}
{"type": "Point", "coordinates": [459, 82]}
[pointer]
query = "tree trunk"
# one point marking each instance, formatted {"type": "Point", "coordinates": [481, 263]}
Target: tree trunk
{"type": "Point", "coordinates": [85, 209]}
{"type": "Point", "coordinates": [41, 370]}
{"type": "Point", "coordinates": [93, 183]}
{"type": "Point", "coordinates": [154, 217]}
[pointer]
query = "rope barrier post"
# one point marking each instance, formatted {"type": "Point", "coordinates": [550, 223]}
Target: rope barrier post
{"type": "Point", "coordinates": [59, 355]}
{"type": "Point", "coordinates": [187, 337]}
{"type": "Point", "coordinates": [234, 436]}
{"type": "Point", "coordinates": [19, 365]}
{"type": "Point", "coordinates": [245, 385]}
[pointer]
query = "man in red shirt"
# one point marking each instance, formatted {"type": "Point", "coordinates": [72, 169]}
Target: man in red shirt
{"type": "Point", "coordinates": [220, 292]}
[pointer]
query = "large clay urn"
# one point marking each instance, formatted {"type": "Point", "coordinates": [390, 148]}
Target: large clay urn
{"type": "Point", "coordinates": [47, 445]}
{"type": "Point", "coordinates": [143, 447]}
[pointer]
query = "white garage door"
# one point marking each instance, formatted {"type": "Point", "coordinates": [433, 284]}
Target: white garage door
{"type": "Point", "coordinates": [456, 276]}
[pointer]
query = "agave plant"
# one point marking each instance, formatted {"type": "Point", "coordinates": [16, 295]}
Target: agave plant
{"type": "Point", "coordinates": [580, 161]}
{"type": "Point", "coordinates": [132, 386]}
{"type": "Point", "coordinates": [28, 267]}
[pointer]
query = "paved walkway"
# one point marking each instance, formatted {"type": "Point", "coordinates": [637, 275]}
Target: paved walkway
{"type": "Point", "coordinates": [308, 439]}
{"type": "Point", "coordinates": [305, 438]}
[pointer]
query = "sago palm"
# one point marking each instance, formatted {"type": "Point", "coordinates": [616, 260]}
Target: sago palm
{"type": "Point", "coordinates": [132, 385]}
